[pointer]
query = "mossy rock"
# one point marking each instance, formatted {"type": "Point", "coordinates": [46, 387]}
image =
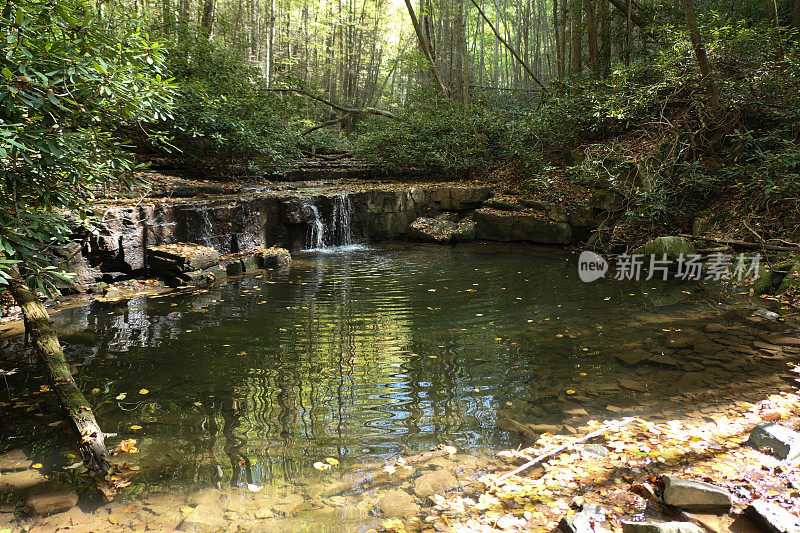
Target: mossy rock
{"type": "Point", "coordinates": [790, 280]}
{"type": "Point", "coordinates": [763, 282]}
{"type": "Point", "coordinates": [672, 246]}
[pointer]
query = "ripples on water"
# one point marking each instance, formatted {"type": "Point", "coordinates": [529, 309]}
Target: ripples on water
{"type": "Point", "coordinates": [358, 354]}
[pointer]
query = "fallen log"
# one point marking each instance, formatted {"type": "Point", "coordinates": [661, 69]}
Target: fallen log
{"type": "Point", "coordinates": [350, 110]}
{"type": "Point", "coordinates": [558, 449]}
{"type": "Point", "coordinates": [743, 244]}
{"type": "Point", "coordinates": [48, 349]}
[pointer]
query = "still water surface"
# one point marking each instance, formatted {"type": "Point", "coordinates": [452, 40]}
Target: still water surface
{"type": "Point", "coordinates": [363, 354]}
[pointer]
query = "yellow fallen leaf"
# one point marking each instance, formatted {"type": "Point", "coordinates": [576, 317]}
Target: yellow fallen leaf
{"type": "Point", "coordinates": [143, 391]}
{"type": "Point", "coordinates": [135, 427]}
{"type": "Point", "coordinates": [36, 465]}
{"type": "Point", "coordinates": [95, 390]}
{"type": "Point", "coordinates": [122, 395]}
{"type": "Point", "coordinates": [319, 465]}
{"type": "Point", "coordinates": [331, 461]}
{"type": "Point", "coordinates": [570, 391]}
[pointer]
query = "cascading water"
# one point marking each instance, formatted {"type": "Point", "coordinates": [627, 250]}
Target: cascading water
{"type": "Point", "coordinates": [341, 220]}
{"type": "Point", "coordinates": [316, 230]}
{"type": "Point", "coordinates": [334, 236]}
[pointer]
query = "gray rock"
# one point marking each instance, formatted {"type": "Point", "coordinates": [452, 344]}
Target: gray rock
{"type": "Point", "coordinates": [50, 500]}
{"type": "Point", "coordinates": [772, 518]}
{"type": "Point", "coordinates": [673, 247]}
{"type": "Point", "coordinates": [660, 527]}
{"type": "Point", "coordinates": [585, 521]}
{"type": "Point", "coordinates": [275, 258]}
{"type": "Point", "coordinates": [531, 228]}
{"type": "Point", "coordinates": [434, 482]}
{"type": "Point", "coordinates": [398, 504]}
{"type": "Point", "coordinates": [432, 230]}
{"type": "Point", "coordinates": [180, 257]}
{"type": "Point", "coordinates": [784, 442]}
{"type": "Point", "coordinates": [466, 231]}
{"type": "Point", "coordinates": [695, 496]}
{"type": "Point", "coordinates": [205, 517]}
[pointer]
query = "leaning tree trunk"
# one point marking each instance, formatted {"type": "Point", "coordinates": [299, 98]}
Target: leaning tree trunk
{"type": "Point", "coordinates": [45, 341]}
{"type": "Point", "coordinates": [700, 54]}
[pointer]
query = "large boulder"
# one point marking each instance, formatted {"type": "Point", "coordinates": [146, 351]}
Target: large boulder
{"type": "Point", "coordinates": [432, 230]}
{"type": "Point", "coordinates": [505, 226]}
{"type": "Point", "coordinates": [695, 496]}
{"type": "Point", "coordinates": [772, 518]}
{"type": "Point", "coordinates": [783, 442]}
{"type": "Point", "coordinates": [673, 247]}
{"type": "Point", "coordinates": [171, 259]}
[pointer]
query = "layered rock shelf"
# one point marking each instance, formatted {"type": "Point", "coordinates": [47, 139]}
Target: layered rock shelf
{"type": "Point", "coordinates": [284, 216]}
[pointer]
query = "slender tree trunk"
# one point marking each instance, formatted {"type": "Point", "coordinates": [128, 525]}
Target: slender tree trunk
{"type": "Point", "coordinates": [576, 35]}
{"type": "Point", "coordinates": [207, 20]}
{"type": "Point", "coordinates": [559, 36]}
{"type": "Point", "coordinates": [508, 46]}
{"type": "Point", "coordinates": [700, 54]}
{"type": "Point", "coordinates": [605, 39]}
{"type": "Point", "coordinates": [423, 43]}
{"type": "Point", "coordinates": [591, 28]}
{"type": "Point", "coordinates": [45, 342]}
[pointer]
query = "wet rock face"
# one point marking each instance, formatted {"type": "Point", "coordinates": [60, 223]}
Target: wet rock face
{"type": "Point", "coordinates": [660, 527]}
{"type": "Point", "coordinates": [47, 502]}
{"type": "Point", "coordinates": [432, 230]}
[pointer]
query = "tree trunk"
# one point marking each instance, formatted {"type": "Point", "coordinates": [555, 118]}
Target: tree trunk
{"type": "Point", "coordinates": [559, 36]}
{"type": "Point", "coordinates": [700, 54]}
{"type": "Point", "coordinates": [605, 39]}
{"type": "Point", "coordinates": [576, 36]}
{"type": "Point", "coordinates": [591, 28]}
{"type": "Point", "coordinates": [207, 20]}
{"type": "Point", "coordinates": [423, 43]}
{"type": "Point", "coordinates": [45, 341]}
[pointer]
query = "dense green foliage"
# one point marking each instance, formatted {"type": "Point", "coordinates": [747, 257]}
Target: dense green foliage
{"type": "Point", "coordinates": [68, 83]}
{"type": "Point", "coordinates": [225, 121]}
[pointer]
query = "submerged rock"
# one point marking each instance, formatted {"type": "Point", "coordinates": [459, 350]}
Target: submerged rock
{"type": "Point", "coordinates": [783, 442]}
{"type": "Point", "coordinates": [398, 504]}
{"type": "Point", "coordinates": [434, 482]}
{"type": "Point", "coordinates": [49, 501]}
{"type": "Point", "coordinates": [14, 461]}
{"type": "Point", "coordinates": [203, 518]}
{"type": "Point", "coordinates": [695, 496]}
{"type": "Point", "coordinates": [771, 517]}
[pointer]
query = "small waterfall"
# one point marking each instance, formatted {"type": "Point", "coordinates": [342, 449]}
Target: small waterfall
{"type": "Point", "coordinates": [335, 235]}
{"type": "Point", "coordinates": [207, 229]}
{"type": "Point", "coordinates": [340, 227]}
{"type": "Point", "coordinates": [316, 230]}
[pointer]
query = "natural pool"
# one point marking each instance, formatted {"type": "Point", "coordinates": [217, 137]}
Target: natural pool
{"type": "Point", "coordinates": [361, 354]}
